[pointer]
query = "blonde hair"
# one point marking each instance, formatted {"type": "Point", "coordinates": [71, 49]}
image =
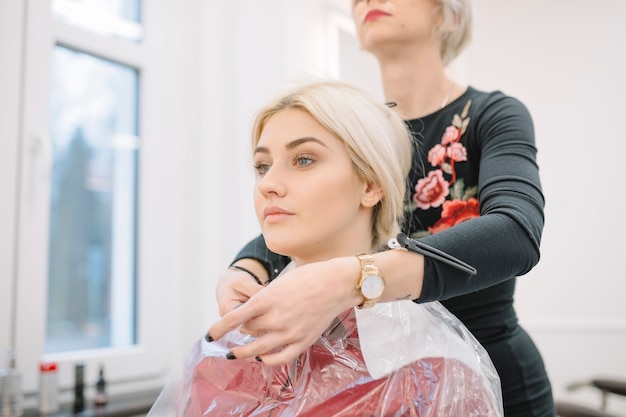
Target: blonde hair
{"type": "Point", "coordinates": [455, 28]}
{"type": "Point", "coordinates": [376, 138]}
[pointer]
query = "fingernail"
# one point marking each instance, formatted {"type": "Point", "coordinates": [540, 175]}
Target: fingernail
{"type": "Point", "coordinates": [208, 338]}
{"type": "Point", "coordinates": [258, 359]}
{"type": "Point", "coordinates": [230, 356]}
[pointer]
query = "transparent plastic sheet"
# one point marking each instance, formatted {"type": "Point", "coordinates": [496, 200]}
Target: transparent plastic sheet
{"type": "Point", "coordinates": [410, 360]}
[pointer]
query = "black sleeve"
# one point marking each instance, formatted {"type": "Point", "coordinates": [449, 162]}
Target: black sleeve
{"type": "Point", "coordinates": [256, 249]}
{"type": "Point", "coordinates": [503, 242]}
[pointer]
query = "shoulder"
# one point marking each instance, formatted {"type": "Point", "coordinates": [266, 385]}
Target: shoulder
{"type": "Point", "coordinates": [496, 114]}
{"type": "Point", "coordinates": [495, 103]}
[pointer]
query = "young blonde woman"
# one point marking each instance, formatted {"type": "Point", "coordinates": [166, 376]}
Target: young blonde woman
{"type": "Point", "coordinates": [330, 166]}
{"type": "Point", "coordinates": [475, 193]}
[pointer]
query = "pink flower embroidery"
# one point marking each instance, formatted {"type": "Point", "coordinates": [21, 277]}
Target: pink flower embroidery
{"type": "Point", "coordinates": [431, 191]}
{"type": "Point", "coordinates": [452, 134]}
{"type": "Point", "coordinates": [457, 201]}
{"type": "Point", "coordinates": [457, 152]}
{"type": "Point", "coordinates": [437, 155]}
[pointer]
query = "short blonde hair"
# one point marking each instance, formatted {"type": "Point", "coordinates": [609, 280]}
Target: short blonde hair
{"type": "Point", "coordinates": [376, 138]}
{"type": "Point", "coordinates": [454, 14]}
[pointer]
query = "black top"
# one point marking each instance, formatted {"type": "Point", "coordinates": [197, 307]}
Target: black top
{"type": "Point", "coordinates": [475, 169]}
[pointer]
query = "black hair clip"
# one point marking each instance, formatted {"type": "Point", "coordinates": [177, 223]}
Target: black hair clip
{"type": "Point", "coordinates": [403, 241]}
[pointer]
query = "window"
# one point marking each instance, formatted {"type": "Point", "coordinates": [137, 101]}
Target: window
{"type": "Point", "coordinates": [92, 284]}
{"type": "Point", "coordinates": [107, 17]}
{"type": "Point", "coordinates": [93, 195]}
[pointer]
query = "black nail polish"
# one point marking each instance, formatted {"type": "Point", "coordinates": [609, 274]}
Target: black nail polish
{"type": "Point", "coordinates": [230, 356]}
{"type": "Point", "coordinates": [208, 338]}
{"type": "Point", "coordinates": [258, 359]}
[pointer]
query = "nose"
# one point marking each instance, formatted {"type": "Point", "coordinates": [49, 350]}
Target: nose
{"type": "Point", "coordinates": [272, 183]}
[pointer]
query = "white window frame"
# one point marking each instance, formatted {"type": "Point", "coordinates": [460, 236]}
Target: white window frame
{"type": "Point", "coordinates": [10, 114]}
{"type": "Point", "coordinates": [147, 364]}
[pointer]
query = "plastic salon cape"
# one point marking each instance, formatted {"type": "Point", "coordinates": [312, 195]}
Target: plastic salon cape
{"type": "Point", "coordinates": [394, 359]}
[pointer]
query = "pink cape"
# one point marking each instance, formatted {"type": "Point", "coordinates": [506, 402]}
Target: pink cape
{"type": "Point", "coordinates": [330, 379]}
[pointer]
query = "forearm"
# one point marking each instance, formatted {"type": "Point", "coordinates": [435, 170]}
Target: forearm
{"type": "Point", "coordinates": [494, 244]}
{"type": "Point", "coordinates": [403, 273]}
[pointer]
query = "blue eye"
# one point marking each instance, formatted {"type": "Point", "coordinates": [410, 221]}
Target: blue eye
{"type": "Point", "coordinates": [261, 168]}
{"type": "Point", "coordinates": [302, 161]}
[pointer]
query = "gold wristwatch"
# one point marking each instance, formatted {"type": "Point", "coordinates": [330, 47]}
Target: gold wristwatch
{"type": "Point", "coordinates": [371, 285]}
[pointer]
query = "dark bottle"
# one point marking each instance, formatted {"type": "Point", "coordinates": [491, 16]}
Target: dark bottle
{"type": "Point", "coordinates": [101, 390]}
{"type": "Point", "coordinates": [79, 388]}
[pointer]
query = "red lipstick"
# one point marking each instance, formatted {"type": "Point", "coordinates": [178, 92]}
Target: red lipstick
{"type": "Point", "coordinates": [375, 14]}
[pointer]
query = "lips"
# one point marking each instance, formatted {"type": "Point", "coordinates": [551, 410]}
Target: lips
{"type": "Point", "coordinates": [273, 214]}
{"type": "Point", "coordinates": [375, 14]}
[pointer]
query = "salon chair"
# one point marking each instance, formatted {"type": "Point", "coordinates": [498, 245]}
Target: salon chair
{"type": "Point", "coordinates": [605, 386]}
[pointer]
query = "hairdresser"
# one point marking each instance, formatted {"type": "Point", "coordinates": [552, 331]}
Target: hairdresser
{"type": "Point", "coordinates": [475, 194]}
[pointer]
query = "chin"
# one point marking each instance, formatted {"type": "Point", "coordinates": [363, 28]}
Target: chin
{"type": "Point", "coordinates": [280, 246]}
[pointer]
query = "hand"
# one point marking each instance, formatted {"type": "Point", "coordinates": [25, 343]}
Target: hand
{"type": "Point", "coordinates": [234, 288]}
{"type": "Point", "coordinates": [293, 311]}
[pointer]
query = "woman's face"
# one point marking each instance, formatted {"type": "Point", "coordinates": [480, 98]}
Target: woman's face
{"type": "Point", "coordinates": [389, 23]}
{"type": "Point", "coordinates": [307, 195]}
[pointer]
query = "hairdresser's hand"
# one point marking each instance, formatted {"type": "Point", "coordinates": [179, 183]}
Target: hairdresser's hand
{"type": "Point", "coordinates": [234, 288]}
{"type": "Point", "coordinates": [291, 313]}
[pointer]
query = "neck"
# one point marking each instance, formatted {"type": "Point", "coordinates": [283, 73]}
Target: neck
{"type": "Point", "coordinates": [320, 257]}
{"type": "Point", "coordinates": [351, 240]}
{"type": "Point", "coordinates": [323, 251]}
{"type": "Point", "coordinates": [418, 84]}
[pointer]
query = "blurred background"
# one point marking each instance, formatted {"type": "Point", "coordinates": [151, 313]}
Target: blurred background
{"type": "Point", "coordinates": [126, 180]}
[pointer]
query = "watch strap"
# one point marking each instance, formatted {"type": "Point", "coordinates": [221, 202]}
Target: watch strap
{"type": "Point", "coordinates": [368, 267]}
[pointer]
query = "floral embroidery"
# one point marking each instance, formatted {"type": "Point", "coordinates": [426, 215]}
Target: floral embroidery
{"type": "Point", "coordinates": [455, 212]}
{"type": "Point", "coordinates": [431, 191]}
{"type": "Point", "coordinates": [458, 204]}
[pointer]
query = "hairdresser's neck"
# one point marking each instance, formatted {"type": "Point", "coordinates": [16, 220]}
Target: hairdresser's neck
{"type": "Point", "coordinates": [415, 80]}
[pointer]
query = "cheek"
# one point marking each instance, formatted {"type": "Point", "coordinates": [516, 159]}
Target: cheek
{"type": "Point", "coordinates": [258, 204]}
{"type": "Point", "coordinates": [341, 195]}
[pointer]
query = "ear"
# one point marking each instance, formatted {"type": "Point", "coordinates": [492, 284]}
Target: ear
{"type": "Point", "coordinates": [445, 28]}
{"type": "Point", "coordinates": [371, 195]}
{"type": "Point", "coordinates": [454, 25]}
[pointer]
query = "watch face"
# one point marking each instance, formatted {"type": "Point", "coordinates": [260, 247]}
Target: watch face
{"type": "Point", "coordinates": [372, 286]}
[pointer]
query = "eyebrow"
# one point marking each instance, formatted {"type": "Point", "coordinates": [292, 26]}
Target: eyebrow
{"type": "Point", "coordinates": [293, 144]}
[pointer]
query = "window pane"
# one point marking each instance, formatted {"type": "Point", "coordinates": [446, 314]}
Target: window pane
{"type": "Point", "coordinates": [92, 265]}
{"type": "Point", "coordinates": [110, 17]}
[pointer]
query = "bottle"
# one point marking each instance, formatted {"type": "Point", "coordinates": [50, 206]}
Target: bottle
{"type": "Point", "coordinates": [48, 388]}
{"type": "Point", "coordinates": [101, 390]}
{"type": "Point", "coordinates": [79, 388]}
{"type": "Point", "coordinates": [11, 397]}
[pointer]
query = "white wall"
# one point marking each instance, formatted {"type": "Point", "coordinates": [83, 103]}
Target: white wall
{"type": "Point", "coordinates": [566, 60]}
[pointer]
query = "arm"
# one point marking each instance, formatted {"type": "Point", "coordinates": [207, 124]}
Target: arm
{"type": "Point", "coordinates": [504, 241]}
